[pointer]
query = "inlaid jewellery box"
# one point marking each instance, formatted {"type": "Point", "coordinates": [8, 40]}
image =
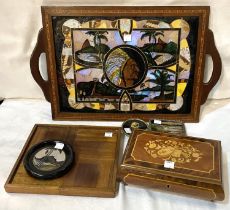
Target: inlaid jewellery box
{"type": "Point", "coordinates": [174, 163]}
{"type": "Point", "coordinates": [117, 63]}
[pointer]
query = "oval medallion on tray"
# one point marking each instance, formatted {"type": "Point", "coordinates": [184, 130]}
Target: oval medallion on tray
{"type": "Point", "coordinates": [49, 159]}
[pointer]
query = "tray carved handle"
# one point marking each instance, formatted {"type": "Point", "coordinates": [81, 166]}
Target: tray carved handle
{"type": "Point", "coordinates": [217, 66]}
{"type": "Point", "coordinates": [34, 65]}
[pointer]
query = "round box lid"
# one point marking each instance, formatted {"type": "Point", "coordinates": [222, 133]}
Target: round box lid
{"type": "Point", "coordinates": [129, 125]}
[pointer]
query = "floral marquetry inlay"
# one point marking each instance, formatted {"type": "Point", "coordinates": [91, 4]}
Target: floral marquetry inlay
{"type": "Point", "coordinates": [178, 152]}
{"type": "Point", "coordinates": [188, 153]}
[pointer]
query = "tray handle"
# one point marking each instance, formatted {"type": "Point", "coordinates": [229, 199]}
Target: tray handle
{"type": "Point", "coordinates": [217, 66]}
{"type": "Point", "coordinates": [34, 65]}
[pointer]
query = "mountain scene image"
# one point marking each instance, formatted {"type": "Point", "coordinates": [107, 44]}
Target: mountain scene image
{"type": "Point", "coordinates": [90, 46]}
{"type": "Point", "coordinates": [159, 46]}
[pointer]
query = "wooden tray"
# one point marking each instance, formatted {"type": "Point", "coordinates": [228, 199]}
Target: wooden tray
{"type": "Point", "coordinates": [95, 168]}
{"type": "Point", "coordinates": [167, 51]}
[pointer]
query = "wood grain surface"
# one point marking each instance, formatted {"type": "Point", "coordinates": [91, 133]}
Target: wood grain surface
{"type": "Point", "coordinates": [95, 168]}
{"type": "Point", "coordinates": [197, 171]}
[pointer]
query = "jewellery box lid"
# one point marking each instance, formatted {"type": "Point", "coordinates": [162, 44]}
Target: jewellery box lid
{"type": "Point", "coordinates": [172, 155]}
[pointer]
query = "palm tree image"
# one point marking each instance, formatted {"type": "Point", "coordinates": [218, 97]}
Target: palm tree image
{"type": "Point", "coordinates": [92, 54]}
{"type": "Point", "coordinates": [152, 35]}
{"type": "Point", "coordinates": [98, 36]}
{"type": "Point", "coordinates": [152, 46]}
{"type": "Point", "coordinates": [162, 80]}
{"type": "Point", "coordinates": [158, 51]}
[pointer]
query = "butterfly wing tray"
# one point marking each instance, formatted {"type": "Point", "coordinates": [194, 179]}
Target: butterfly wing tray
{"type": "Point", "coordinates": [116, 63]}
{"type": "Point", "coordinates": [197, 164]}
{"type": "Point", "coordinates": [94, 169]}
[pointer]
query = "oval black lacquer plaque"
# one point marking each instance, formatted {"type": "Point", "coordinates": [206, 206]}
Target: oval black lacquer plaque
{"type": "Point", "coordinates": [49, 159]}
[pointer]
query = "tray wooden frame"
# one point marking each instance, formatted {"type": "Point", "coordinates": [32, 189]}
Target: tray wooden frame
{"type": "Point", "coordinates": [200, 89]}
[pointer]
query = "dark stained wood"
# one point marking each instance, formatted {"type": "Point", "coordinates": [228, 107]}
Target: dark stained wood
{"type": "Point", "coordinates": [200, 90]}
{"type": "Point", "coordinates": [199, 177]}
{"type": "Point", "coordinates": [217, 66]}
{"type": "Point", "coordinates": [34, 65]}
{"type": "Point", "coordinates": [95, 168]}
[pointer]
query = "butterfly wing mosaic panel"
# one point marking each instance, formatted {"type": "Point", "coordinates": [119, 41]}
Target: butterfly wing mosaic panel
{"type": "Point", "coordinates": [125, 64]}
